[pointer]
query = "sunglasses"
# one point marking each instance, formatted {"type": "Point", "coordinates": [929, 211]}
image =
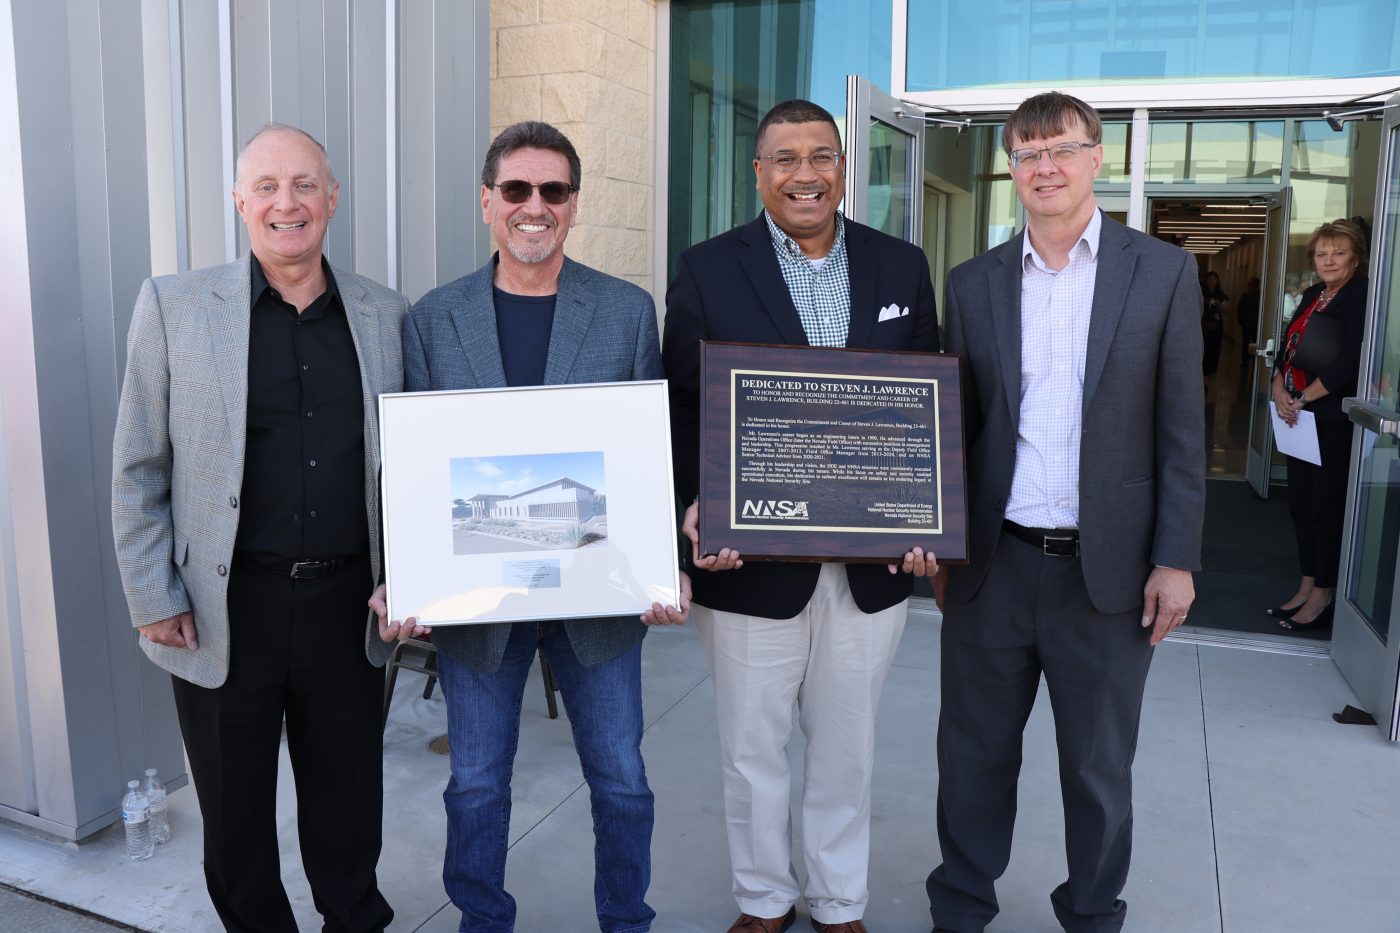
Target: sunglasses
{"type": "Point", "coordinates": [517, 191]}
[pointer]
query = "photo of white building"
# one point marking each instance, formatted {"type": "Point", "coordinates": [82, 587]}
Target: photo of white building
{"type": "Point", "coordinates": [563, 498]}
{"type": "Point", "coordinates": [500, 504]}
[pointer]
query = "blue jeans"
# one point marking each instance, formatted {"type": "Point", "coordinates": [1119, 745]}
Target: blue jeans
{"type": "Point", "coordinates": [604, 705]}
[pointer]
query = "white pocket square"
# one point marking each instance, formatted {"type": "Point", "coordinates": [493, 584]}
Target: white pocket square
{"type": "Point", "coordinates": [893, 311]}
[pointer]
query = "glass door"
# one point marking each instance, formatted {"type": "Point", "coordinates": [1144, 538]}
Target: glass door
{"type": "Point", "coordinates": [884, 161]}
{"type": "Point", "coordinates": [1259, 455]}
{"type": "Point", "coordinates": [1366, 639]}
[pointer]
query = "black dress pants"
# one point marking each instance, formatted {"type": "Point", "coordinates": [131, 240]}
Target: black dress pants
{"type": "Point", "coordinates": [1317, 502]}
{"type": "Point", "coordinates": [296, 652]}
{"type": "Point", "coordinates": [1032, 616]}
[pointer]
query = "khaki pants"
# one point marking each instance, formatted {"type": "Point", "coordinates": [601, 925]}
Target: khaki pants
{"type": "Point", "coordinates": [829, 662]}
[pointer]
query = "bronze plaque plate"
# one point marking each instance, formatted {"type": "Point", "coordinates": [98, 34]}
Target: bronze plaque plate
{"type": "Point", "coordinates": [815, 453]}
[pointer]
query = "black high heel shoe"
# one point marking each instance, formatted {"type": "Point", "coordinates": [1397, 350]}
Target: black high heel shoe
{"type": "Point", "coordinates": [1278, 612]}
{"type": "Point", "coordinates": [1323, 620]}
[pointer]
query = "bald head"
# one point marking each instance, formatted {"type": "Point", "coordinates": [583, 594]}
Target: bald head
{"type": "Point", "coordinates": [280, 129]}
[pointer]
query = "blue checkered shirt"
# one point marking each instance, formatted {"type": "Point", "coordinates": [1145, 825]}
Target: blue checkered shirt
{"type": "Point", "coordinates": [822, 296]}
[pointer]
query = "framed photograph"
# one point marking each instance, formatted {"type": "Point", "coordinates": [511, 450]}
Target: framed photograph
{"type": "Point", "coordinates": [546, 502]}
{"type": "Point", "coordinates": [818, 453]}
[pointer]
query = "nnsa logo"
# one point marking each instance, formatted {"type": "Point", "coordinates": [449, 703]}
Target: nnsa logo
{"type": "Point", "coordinates": [774, 508]}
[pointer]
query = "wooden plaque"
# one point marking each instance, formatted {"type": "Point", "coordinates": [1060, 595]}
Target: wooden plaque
{"type": "Point", "coordinates": [822, 454]}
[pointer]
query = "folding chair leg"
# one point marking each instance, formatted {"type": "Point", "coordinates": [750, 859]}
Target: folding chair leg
{"type": "Point", "coordinates": [549, 688]}
{"type": "Point", "coordinates": [430, 666]}
{"type": "Point", "coordinates": [391, 677]}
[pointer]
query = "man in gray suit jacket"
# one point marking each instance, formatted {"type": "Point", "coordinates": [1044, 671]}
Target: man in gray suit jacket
{"type": "Point", "coordinates": [530, 316]}
{"type": "Point", "coordinates": [1081, 345]}
{"type": "Point", "coordinates": [245, 506]}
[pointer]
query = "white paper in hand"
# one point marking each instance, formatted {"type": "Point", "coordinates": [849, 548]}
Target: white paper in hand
{"type": "Point", "coordinates": [1297, 440]}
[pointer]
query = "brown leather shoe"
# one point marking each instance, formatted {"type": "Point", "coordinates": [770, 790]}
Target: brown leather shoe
{"type": "Point", "coordinates": [748, 923]}
{"type": "Point", "coordinates": [850, 926]}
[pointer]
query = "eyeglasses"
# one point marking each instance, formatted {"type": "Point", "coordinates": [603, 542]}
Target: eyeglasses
{"type": "Point", "coordinates": [788, 162]}
{"type": "Point", "coordinates": [1060, 154]}
{"type": "Point", "coordinates": [517, 191]}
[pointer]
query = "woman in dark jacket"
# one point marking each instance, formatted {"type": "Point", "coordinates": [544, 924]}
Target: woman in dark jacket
{"type": "Point", "coordinates": [1316, 369]}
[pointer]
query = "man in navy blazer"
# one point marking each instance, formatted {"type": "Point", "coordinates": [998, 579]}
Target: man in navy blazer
{"type": "Point", "coordinates": [779, 636]}
{"type": "Point", "coordinates": [1084, 424]}
{"type": "Point", "coordinates": [531, 316]}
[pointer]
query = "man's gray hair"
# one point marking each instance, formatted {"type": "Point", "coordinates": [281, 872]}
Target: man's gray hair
{"type": "Point", "coordinates": [530, 134]}
{"type": "Point", "coordinates": [326, 166]}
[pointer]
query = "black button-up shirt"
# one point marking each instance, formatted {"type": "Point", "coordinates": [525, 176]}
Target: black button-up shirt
{"type": "Point", "coordinates": [304, 465]}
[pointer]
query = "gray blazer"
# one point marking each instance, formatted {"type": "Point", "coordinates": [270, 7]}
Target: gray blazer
{"type": "Point", "coordinates": [1142, 452]}
{"type": "Point", "coordinates": [177, 458]}
{"type": "Point", "coordinates": [604, 331]}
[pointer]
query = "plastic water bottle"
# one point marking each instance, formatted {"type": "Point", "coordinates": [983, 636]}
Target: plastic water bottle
{"type": "Point", "coordinates": [136, 816]}
{"type": "Point", "coordinates": [160, 816]}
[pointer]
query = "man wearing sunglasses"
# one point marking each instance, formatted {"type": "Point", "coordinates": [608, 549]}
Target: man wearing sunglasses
{"type": "Point", "coordinates": [1084, 424]}
{"type": "Point", "coordinates": [532, 316]}
{"type": "Point", "coordinates": [780, 637]}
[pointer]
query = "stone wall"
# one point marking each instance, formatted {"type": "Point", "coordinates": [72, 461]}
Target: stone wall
{"type": "Point", "coordinates": [588, 67]}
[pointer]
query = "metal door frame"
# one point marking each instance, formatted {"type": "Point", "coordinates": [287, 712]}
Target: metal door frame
{"type": "Point", "coordinates": [1370, 666]}
{"type": "Point", "coordinates": [866, 102]}
{"type": "Point", "coordinates": [1276, 266]}
{"type": "Point", "coordinates": [1275, 262]}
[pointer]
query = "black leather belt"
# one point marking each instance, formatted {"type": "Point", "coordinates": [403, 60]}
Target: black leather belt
{"type": "Point", "coordinates": [1053, 542]}
{"type": "Point", "coordinates": [296, 570]}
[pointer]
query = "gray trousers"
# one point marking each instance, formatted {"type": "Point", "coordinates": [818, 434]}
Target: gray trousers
{"type": "Point", "coordinates": [1032, 616]}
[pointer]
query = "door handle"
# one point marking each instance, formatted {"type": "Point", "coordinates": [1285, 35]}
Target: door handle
{"type": "Point", "coordinates": [1265, 350]}
{"type": "Point", "coordinates": [1371, 417]}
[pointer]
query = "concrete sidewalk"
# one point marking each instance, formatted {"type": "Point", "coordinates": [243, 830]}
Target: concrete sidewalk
{"type": "Point", "coordinates": [1254, 812]}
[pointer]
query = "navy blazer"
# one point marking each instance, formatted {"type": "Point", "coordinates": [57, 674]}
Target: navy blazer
{"type": "Point", "coordinates": [731, 288]}
{"type": "Point", "coordinates": [1142, 457]}
{"type": "Point", "coordinates": [604, 331]}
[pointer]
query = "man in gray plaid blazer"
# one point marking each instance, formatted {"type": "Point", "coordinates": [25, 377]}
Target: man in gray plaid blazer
{"type": "Point", "coordinates": [245, 510]}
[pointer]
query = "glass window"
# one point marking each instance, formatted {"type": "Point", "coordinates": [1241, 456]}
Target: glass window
{"type": "Point", "coordinates": [980, 43]}
{"type": "Point", "coordinates": [889, 189]}
{"type": "Point", "coordinates": [731, 60]}
{"type": "Point", "coordinates": [1000, 207]}
{"type": "Point", "coordinates": [1323, 174]}
{"type": "Point", "coordinates": [1117, 154]}
{"type": "Point", "coordinates": [1215, 152]}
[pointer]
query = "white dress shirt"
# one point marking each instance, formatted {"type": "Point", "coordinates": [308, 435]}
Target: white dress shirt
{"type": "Point", "coordinates": [1055, 310]}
